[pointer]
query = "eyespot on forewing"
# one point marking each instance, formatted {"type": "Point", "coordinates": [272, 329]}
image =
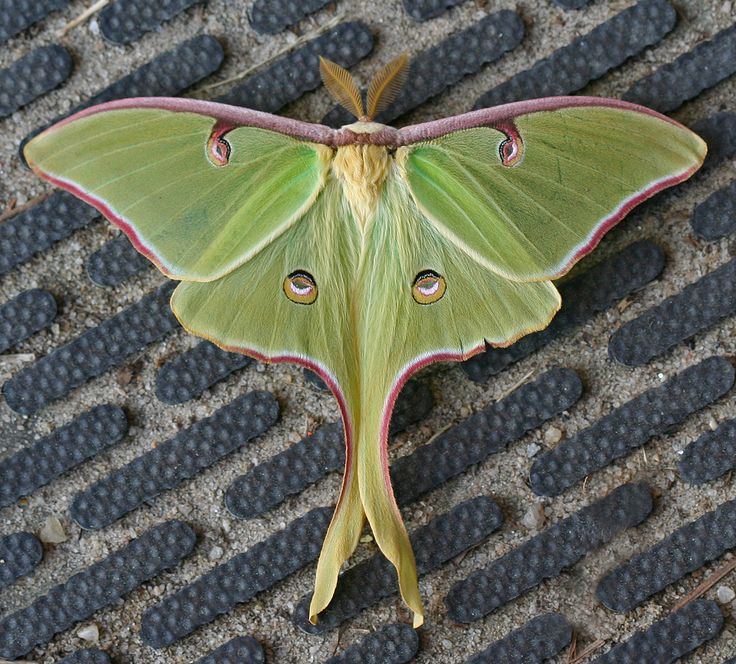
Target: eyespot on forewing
{"type": "Point", "coordinates": [300, 287]}
{"type": "Point", "coordinates": [428, 287]}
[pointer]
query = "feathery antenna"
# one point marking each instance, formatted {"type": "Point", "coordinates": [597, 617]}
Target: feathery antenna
{"type": "Point", "coordinates": [342, 86]}
{"type": "Point", "coordinates": [386, 85]}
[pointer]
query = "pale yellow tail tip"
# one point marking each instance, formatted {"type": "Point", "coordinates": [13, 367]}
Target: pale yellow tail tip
{"type": "Point", "coordinates": [418, 620]}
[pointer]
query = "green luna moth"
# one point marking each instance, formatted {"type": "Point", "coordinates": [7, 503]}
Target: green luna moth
{"type": "Point", "coordinates": [367, 252]}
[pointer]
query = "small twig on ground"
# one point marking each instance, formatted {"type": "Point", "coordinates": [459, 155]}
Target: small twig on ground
{"type": "Point", "coordinates": [573, 648]}
{"type": "Point", "coordinates": [521, 380]}
{"type": "Point", "coordinates": [596, 645]}
{"type": "Point", "coordinates": [83, 17]}
{"type": "Point", "coordinates": [706, 585]}
{"type": "Point", "coordinates": [12, 210]}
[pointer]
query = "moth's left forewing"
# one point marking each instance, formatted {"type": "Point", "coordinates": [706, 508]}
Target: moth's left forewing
{"type": "Point", "coordinates": [529, 188]}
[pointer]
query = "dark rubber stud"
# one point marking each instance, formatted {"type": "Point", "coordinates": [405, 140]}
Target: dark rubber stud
{"type": "Point", "coordinates": [272, 16]}
{"type": "Point", "coordinates": [629, 426]}
{"type": "Point", "coordinates": [719, 132]}
{"type": "Point", "coordinates": [688, 548]}
{"type": "Point", "coordinates": [671, 638]}
{"type": "Point", "coordinates": [94, 588]}
{"type": "Point", "coordinates": [240, 650]}
{"type": "Point", "coordinates": [571, 4]}
{"type": "Point", "coordinates": [544, 556]}
{"type": "Point", "coordinates": [32, 76]}
{"type": "Point", "coordinates": [125, 21]}
{"type": "Point", "coordinates": [715, 217]}
{"type": "Point", "coordinates": [423, 10]}
{"type": "Point", "coordinates": [533, 643]}
{"type": "Point", "coordinates": [114, 262]}
{"type": "Point", "coordinates": [394, 644]}
{"type": "Point", "coordinates": [92, 353]}
{"type": "Point", "coordinates": [24, 315]}
{"type": "Point", "coordinates": [443, 538]}
{"type": "Point", "coordinates": [180, 458]}
{"type": "Point", "coordinates": [20, 553]}
{"type": "Point", "coordinates": [53, 455]}
{"type": "Point", "coordinates": [583, 296]}
{"type": "Point", "coordinates": [588, 57]}
{"type": "Point", "coordinates": [710, 456]}
{"type": "Point", "coordinates": [89, 656]}
{"type": "Point", "coordinates": [17, 15]}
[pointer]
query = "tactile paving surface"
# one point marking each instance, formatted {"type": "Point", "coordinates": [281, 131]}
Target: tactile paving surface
{"type": "Point", "coordinates": [674, 83]}
{"type": "Point", "coordinates": [682, 552]}
{"type": "Point", "coordinates": [589, 56]}
{"type": "Point", "coordinates": [272, 16]}
{"type": "Point", "coordinates": [443, 538]}
{"type": "Point", "coordinates": [125, 21]}
{"type": "Point", "coordinates": [236, 581]}
{"type": "Point", "coordinates": [32, 76]}
{"type": "Point", "coordinates": [175, 460]}
{"type": "Point", "coordinates": [43, 461]}
{"type": "Point", "coordinates": [536, 641]}
{"type": "Point", "coordinates": [92, 353]}
{"type": "Point", "coordinates": [583, 296]}
{"type": "Point", "coordinates": [88, 656]}
{"type": "Point", "coordinates": [631, 425]}
{"type": "Point", "coordinates": [187, 375]}
{"type": "Point", "coordinates": [24, 315]}
{"type": "Point", "coordinates": [98, 586]}
{"type": "Point", "coordinates": [394, 644]}
{"type": "Point", "coordinates": [115, 261]}
{"type": "Point", "coordinates": [670, 638]}
{"type": "Point", "coordinates": [434, 70]}
{"type": "Point", "coordinates": [167, 74]}
{"type": "Point", "coordinates": [240, 650]}
{"type": "Point", "coordinates": [715, 217]}
{"type": "Point", "coordinates": [713, 454]}
{"type": "Point", "coordinates": [19, 555]}
{"type": "Point", "coordinates": [695, 308]}
{"type": "Point", "coordinates": [17, 15]}
{"type": "Point", "coordinates": [423, 10]}
{"type": "Point", "coordinates": [296, 73]}
{"type": "Point", "coordinates": [545, 555]}
{"type": "Point", "coordinates": [303, 463]}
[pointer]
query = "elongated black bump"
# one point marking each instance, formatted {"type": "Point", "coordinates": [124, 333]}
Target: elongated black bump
{"type": "Point", "coordinates": [115, 261]}
{"type": "Point", "coordinates": [32, 76]}
{"type": "Point", "coordinates": [393, 644]}
{"type": "Point", "coordinates": [272, 16]}
{"type": "Point", "coordinates": [688, 548]}
{"type": "Point", "coordinates": [710, 456]}
{"type": "Point", "coordinates": [125, 21]}
{"type": "Point", "coordinates": [670, 638]}
{"type": "Point", "coordinates": [629, 426]}
{"type": "Point", "coordinates": [715, 217]}
{"type": "Point", "coordinates": [423, 10]}
{"type": "Point", "coordinates": [180, 458]}
{"type": "Point", "coordinates": [533, 643]}
{"type": "Point", "coordinates": [444, 537]}
{"type": "Point", "coordinates": [719, 132]}
{"type": "Point", "coordinates": [545, 555]}
{"type": "Point", "coordinates": [92, 353]}
{"type": "Point", "coordinates": [588, 57]}
{"type": "Point", "coordinates": [17, 15]}
{"type": "Point", "coordinates": [24, 315]}
{"type": "Point", "coordinates": [88, 656]}
{"type": "Point", "coordinates": [94, 588]}
{"type": "Point", "coordinates": [240, 650]}
{"type": "Point", "coordinates": [65, 448]}
{"type": "Point", "coordinates": [583, 296]}
{"type": "Point", "coordinates": [19, 555]}
{"type": "Point", "coordinates": [697, 307]}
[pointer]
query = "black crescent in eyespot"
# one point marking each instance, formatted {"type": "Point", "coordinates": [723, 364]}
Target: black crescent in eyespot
{"type": "Point", "coordinates": [300, 287]}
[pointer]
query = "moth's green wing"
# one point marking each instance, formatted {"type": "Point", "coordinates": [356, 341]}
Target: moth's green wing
{"type": "Point", "coordinates": [154, 172]}
{"type": "Point", "coordinates": [532, 193]}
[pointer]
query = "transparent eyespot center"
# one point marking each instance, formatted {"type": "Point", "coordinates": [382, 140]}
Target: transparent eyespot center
{"type": "Point", "coordinates": [300, 287]}
{"type": "Point", "coordinates": [428, 287]}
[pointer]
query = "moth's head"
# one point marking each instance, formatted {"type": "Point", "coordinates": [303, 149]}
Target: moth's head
{"type": "Point", "coordinates": [382, 90]}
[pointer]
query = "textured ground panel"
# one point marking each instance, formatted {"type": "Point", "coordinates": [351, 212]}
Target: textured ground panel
{"type": "Point", "coordinates": [710, 456]}
{"type": "Point", "coordinates": [296, 73]}
{"type": "Point", "coordinates": [670, 638]}
{"type": "Point", "coordinates": [114, 262]}
{"type": "Point", "coordinates": [374, 579]}
{"type": "Point", "coordinates": [236, 581]}
{"type": "Point", "coordinates": [629, 426]}
{"type": "Point", "coordinates": [40, 227]}
{"type": "Point", "coordinates": [545, 555]}
{"type": "Point", "coordinates": [32, 76]}
{"type": "Point", "coordinates": [583, 296]}
{"type": "Point", "coordinates": [125, 21]}
{"type": "Point", "coordinates": [240, 650]}
{"type": "Point", "coordinates": [695, 308]}
{"type": "Point", "coordinates": [715, 217]}
{"type": "Point", "coordinates": [17, 15]}
{"type": "Point", "coordinates": [166, 75]}
{"type": "Point", "coordinates": [436, 69]}
{"type": "Point", "coordinates": [24, 315]}
{"type": "Point", "coordinates": [92, 353]}
{"type": "Point", "coordinates": [68, 446]}
{"type": "Point", "coordinates": [272, 16]}
{"type": "Point", "coordinates": [187, 375]}
{"type": "Point", "coordinates": [423, 10]}
{"type": "Point", "coordinates": [20, 553]}
{"type": "Point", "coordinates": [98, 586]}
{"type": "Point", "coordinates": [676, 82]}
{"type": "Point", "coordinates": [588, 57]}
{"type": "Point", "coordinates": [394, 644]}
{"type": "Point", "coordinates": [682, 552]}
{"type": "Point", "coordinates": [269, 483]}
{"type": "Point", "coordinates": [180, 458]}
{"type": "Point", "coordinates": [89, 656]}
{"type": "Point", "coordinates": [536, 641]}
